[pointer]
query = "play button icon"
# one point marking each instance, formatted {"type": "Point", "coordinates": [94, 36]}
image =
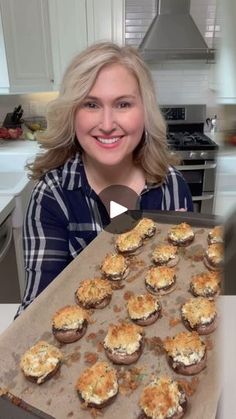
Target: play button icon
{"type": "Point", "coordinates": [116, 209]}
{"type": "Point", "coordinates": [118, 199]}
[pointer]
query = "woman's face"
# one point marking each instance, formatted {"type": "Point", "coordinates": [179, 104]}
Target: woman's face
{"type": "Point", "coordinates": [110, 122]}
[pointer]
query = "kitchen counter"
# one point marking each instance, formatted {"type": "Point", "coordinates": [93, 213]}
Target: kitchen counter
{"type": "Point", "coordinates": [7, 205]}
{"type": "Point", "coordinates": [19, 147]}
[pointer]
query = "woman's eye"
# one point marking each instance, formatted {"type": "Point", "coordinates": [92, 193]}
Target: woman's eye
{"type": "Point", "coordinates": [123, 105]}
{"type": "Point", "coordinates": [90, 105]}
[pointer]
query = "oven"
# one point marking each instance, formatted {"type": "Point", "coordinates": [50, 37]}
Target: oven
{"type": "Point", "coordinates": [196, 152]}
{"type": "Point", "coordinates": [201, 177]}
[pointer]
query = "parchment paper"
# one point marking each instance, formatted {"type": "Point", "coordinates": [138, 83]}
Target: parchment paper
{"type": "Point", "coordinates": [57, 396]}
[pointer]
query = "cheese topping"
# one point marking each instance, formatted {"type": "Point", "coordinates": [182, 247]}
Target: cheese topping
{"type": "Point", "coordinates": [123, 337]}
{"type": "Point", "coordinates": [215, 253]}
{"type": "Point", "coordinates": [199, 311]}
{"type": "Point", "coordinates": [130, 240]}
{"type": "Point", "coordinates": [98, 383]}
{"type": "Point", "coordinates": [181, 231]}
{"type": "Point", "coordinates": [69, 317]}
{"type": "Point", "coordinates": [145, 227]}
{"type": "Point", "coordinates": [40, 360]}
{"type": "Point", "coordinates": [164, 252]}
{"type": "Point", "coordinates": [114, 264]}
{"type": "Point", "coordinates": [162, 399]}
{"type": "Point", "coordinates": [93, 290]}
{"type": "Point", "coordinates": [216, 235]}
{"type": "Point", "coordinates": [185, 347]}
{"type": "Point", "coordinates": [160, 276]}
{"type": "Point", "coordinates": [141, 306]}
{"type": "Point", "coordinates": [205, 284]}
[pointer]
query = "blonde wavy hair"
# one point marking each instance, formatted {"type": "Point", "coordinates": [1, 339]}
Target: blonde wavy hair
{"type": "Point", "coordinates": [59, 139]}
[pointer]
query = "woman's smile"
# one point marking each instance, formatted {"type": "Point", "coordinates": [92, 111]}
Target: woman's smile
{"type": "Point", "coordinates": [108, 142]}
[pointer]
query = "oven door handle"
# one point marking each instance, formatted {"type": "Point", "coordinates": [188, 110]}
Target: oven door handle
{"type": "Point", "coordinates": [196, 167]}
{"type": "Point", "coordinates": [202, 197]}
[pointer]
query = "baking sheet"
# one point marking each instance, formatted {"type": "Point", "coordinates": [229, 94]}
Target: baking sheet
{"type": "Point", "coordinates": [57, 397]}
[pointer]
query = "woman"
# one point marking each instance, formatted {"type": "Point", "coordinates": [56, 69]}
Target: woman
{"type": "Point", "coordinates": [105, 128]}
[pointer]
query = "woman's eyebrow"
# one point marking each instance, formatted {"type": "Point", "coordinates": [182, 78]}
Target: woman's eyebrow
{"type": "Point", "coordinates": [117, 98]}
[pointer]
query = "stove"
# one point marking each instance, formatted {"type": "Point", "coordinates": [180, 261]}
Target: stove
{"type": "Point", "coordinates": [197, 151]}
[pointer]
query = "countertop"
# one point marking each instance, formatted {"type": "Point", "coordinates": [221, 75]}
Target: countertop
{"type": "Point", "coordinates": [19, 147]}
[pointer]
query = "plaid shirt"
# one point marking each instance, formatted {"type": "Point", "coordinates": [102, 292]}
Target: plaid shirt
{"type": "Point", "coordinates": [64, 215]}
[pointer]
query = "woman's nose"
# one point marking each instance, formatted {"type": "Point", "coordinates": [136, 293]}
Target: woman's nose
{"type": "Point", "coordinates": [107, 120]}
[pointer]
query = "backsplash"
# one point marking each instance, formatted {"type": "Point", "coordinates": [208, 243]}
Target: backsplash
{"type": "Point", "coordinates": [182, 82]}
{"type": "Point", "coordinates": [33, 104]}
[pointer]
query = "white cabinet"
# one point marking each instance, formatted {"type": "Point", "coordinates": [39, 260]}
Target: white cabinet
{"type": "Point", "coordinates": [106, 21]}
{"type": "Point", "coordinates": [68, 28]}
{"type": "Point", "coordinates": [42, 36]}
{"type": "Point", "coordinates": [75, 24]}
{"type": "Point", "coordinates": [27, 44]}
{"type": "Point", "coordinates": [226, 66]}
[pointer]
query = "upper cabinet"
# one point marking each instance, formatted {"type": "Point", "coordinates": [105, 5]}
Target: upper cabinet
{"type": "Point", "coordinates": [68, 31]}
{"type": "Point", "coordinates": [75, 24]}
{"type": "Point", "coordinates": [226, 63]}
{"type": "Point", "coordinates": [42, 36]}
{"type": "Point", "coordinates": [27, 45]}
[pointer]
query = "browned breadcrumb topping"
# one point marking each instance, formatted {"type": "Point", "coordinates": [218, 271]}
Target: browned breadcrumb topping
{"type": "Point", "coordinates": [205, 282]}
{"type": "Point", "coordinates": [160, 276]}
{"type": "Point", "coordinates": [40, 360]}
{"type": "Point", "coordinates": [145, 227]}
{"type": "Point", "coordinates": [130, 240]}
{"type": "Point", "coordinates": [123, 335]}
{"type": "Point", "coordinates": [114, 264]}
{"type": "Point", "coordinates": [184, 342]}
{"type": "Point", "coordinates": [69, 316]}
{"type": "Point", "coordinates": [161, 398]}
{"type": "Point", "coordinates": [181, 232]}
{"type": "Point", "coordinates": [164, 251]}
{"type": "Point", "coordinates": [198, 310]}
{"type": "Point", "coordinates": [215, 252]}
{"type": "Point", "coordinates": [93, 290]}
{"type": "Point", "coordinates": [141, 306]}
{"type": "Point", "coordinates": [98, 380]}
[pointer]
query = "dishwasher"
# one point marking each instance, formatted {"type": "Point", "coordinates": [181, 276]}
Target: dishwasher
{"type": "Point", "coordinates": [9, 281]}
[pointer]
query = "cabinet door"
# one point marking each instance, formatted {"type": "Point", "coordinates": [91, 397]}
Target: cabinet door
{"type": "Point", "coordinates": [106, 20]}
{"type": "Point", "coordinates": [68, 25]}
{"type": "Point", "coordinates": [4, 80]}
{"type": "Point", "coordinates": [27, 44]}
{"type": "Point", "coordinates": [227, 54]}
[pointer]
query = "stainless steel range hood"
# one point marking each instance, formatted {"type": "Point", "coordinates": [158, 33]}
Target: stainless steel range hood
{"type": "Point", "coordinates": [174, 35]}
